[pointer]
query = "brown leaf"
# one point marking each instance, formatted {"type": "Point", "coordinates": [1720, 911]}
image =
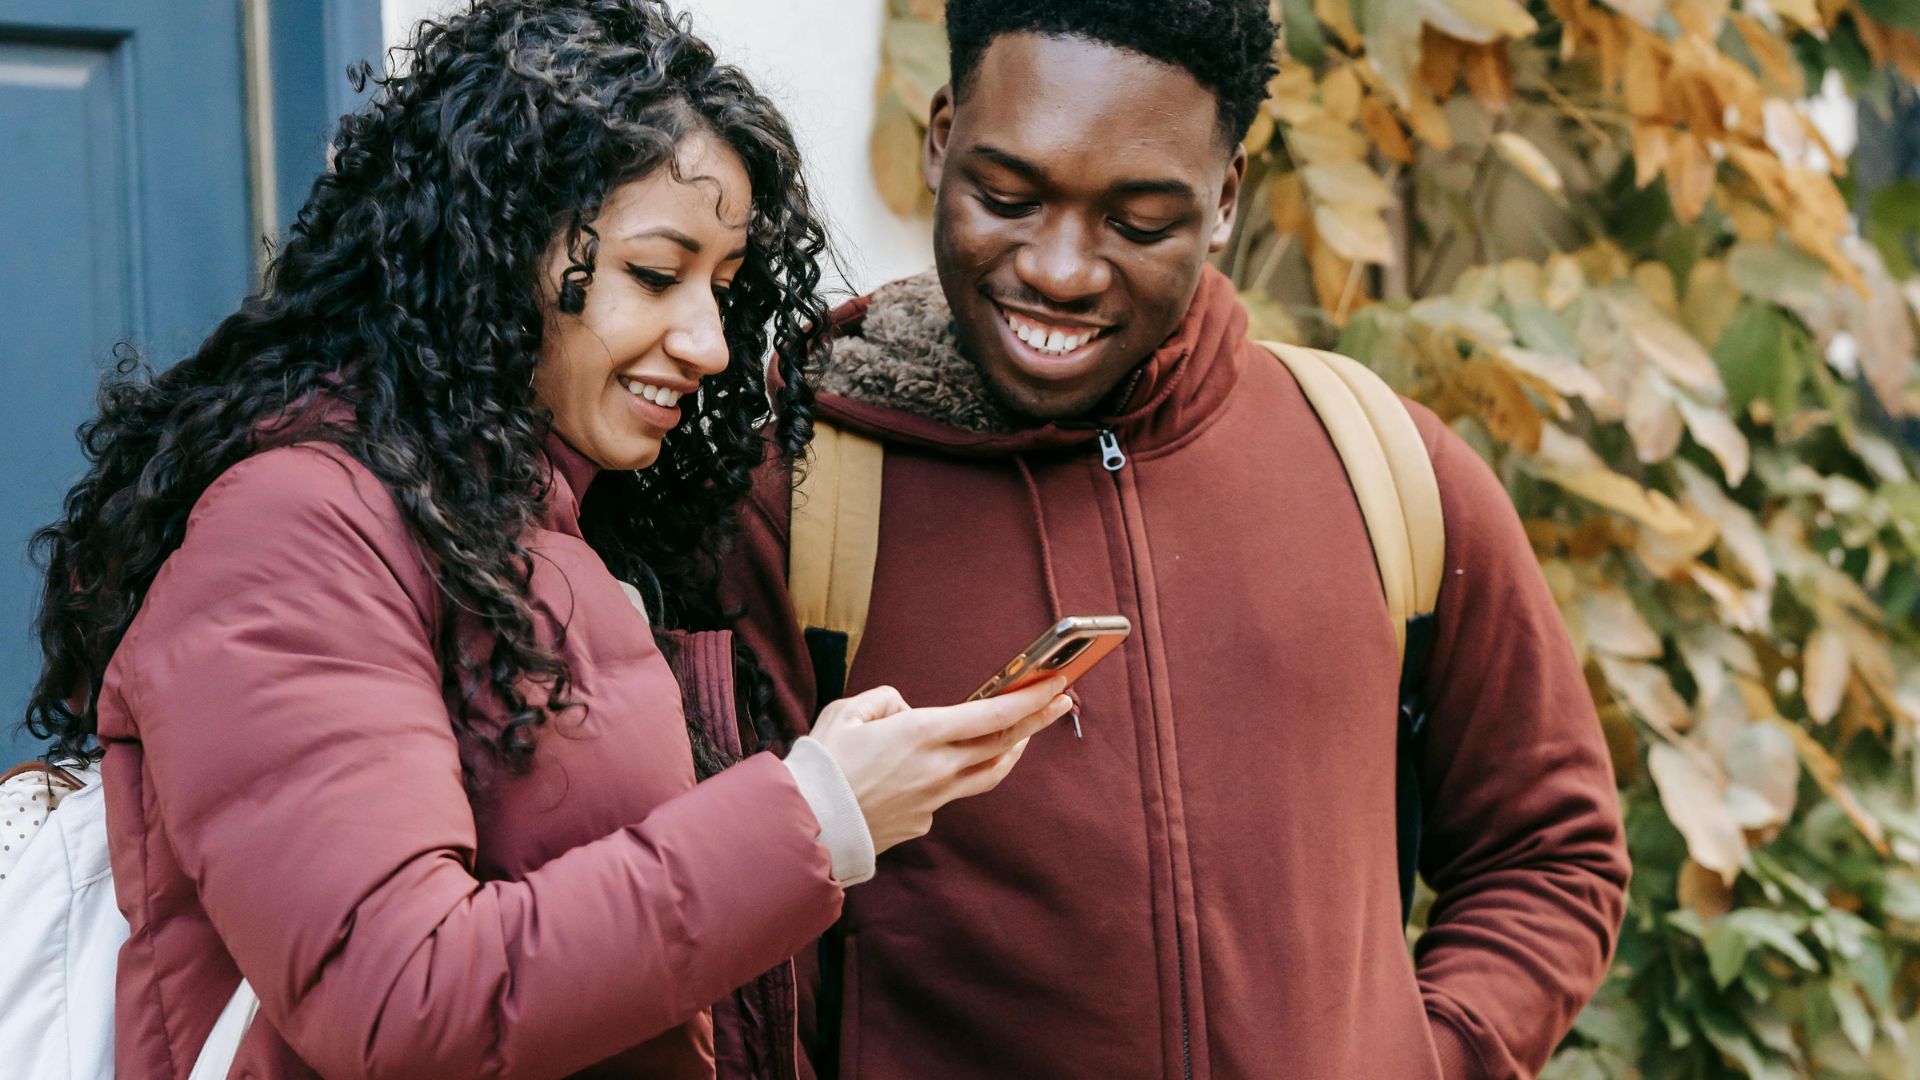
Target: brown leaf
{"type": "Point", "coordinates": [1710, 303]}
{"type": "Point", "coordinates": [1695, 802]}
{"type": "Point", "coordinates": [1689, 174]}
{"type": "Point", "coordinates": [1348, 182]}
{"type": "Point", "coordinates": [1387, 135]}
{"type": "Point", "coordinates": [1489, 71]}
{"type": "Point", "coordinates": [1643, 76]}
{"type": "Point", "coordinates": [1703, 891]}
{"type": "Point", "coordinates": [1774, 56]}
{"type": "Point", "coordinates": [1503, 405]}
{"type": "Point", "coordinates": [1287, 199]}
{"type": "Point", "coordinates": [1441, 61]}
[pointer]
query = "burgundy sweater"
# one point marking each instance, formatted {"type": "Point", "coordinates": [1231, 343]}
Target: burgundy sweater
{"type": "Point", "coordinates": [1205, 885]}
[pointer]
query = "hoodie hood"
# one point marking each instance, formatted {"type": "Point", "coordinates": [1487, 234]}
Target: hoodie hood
{"type": "Point", "coordinates": [897, 373]}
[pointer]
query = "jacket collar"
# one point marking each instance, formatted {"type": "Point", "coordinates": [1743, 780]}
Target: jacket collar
{"type": "Point", "coordinates": [884, 390]}
{"type": "Point", "coordinates": [569, 473]}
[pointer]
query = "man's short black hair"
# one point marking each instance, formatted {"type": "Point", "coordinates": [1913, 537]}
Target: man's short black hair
{"type": "Point", "coordinates": [1227, 45]}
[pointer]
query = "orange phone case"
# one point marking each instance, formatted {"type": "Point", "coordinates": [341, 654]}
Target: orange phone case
{"type": "Point", "coordinates": [1070, 647]}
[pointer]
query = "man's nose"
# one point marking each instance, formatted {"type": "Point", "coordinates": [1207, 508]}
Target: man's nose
{"type": "Point", "coordinates": [1062, 265]}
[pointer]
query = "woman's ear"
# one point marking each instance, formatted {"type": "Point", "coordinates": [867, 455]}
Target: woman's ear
{"type": "Point", "coordinates": [933, 153]}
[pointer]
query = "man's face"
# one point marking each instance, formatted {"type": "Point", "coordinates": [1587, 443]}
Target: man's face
{"type": "Point", "coordinates": [1078, 191]}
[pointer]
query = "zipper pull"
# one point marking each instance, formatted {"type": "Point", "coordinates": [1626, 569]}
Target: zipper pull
{"type": "Point", "coordinates": [1112, 458]}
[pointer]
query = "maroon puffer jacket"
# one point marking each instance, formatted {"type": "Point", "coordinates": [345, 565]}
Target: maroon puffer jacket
{"type": "Point", "coordinates": [285, 802]}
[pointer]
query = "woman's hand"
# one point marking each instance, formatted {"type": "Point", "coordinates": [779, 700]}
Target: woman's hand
{"type": "Point", "coordinates": [904, 763]}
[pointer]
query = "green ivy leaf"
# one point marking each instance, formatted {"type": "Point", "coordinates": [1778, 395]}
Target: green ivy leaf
{"type": "Point", "coordinates": [1749, 353]}
{"type": "Point", "coordinates": [1856, 1022]}
{"type": "Point", "coordinates": [1305, 41]}
{"type": "Point", "coordinates": [1901, 13]}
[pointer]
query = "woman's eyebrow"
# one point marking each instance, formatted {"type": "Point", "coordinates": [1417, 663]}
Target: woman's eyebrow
{"type": "Point", "coordinates": [668, 232]}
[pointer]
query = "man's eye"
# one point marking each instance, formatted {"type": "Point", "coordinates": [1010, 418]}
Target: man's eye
{"type": "Point", "coordinates": [1139, 235]}
{"type": "Point", "coordinates": [652, 280]}
{"type": "Point", "coordinates": [1007, 209]}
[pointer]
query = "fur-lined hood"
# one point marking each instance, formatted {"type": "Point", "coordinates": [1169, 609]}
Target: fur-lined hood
{"type": "Point", "coordinates": [897, 372]}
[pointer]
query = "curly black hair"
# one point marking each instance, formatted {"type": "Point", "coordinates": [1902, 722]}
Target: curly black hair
{"type": "Point", "coordinates": [1227, 45]}
{"type": "Point", "coordinates": [408, 295]}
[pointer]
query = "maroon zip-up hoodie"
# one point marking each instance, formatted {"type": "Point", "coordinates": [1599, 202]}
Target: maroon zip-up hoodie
{"type": "Point", "coordinates": [1205, 884]}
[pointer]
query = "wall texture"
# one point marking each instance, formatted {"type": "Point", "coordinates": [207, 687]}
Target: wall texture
{"type": "Point", "coordinates": [816, 59]}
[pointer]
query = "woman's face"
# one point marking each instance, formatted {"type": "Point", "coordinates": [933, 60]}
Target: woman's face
{"type": "Point", "coordinates": [614, 376]}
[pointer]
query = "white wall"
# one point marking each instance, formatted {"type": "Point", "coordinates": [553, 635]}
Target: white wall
{"type": "Point", "coordinates": [817, 60]}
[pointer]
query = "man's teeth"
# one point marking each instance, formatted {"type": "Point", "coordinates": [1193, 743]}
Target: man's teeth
{"type": "Point", "coordinates": [1049, 341]}
{"type": "Point", "coordinates": [659, 395]}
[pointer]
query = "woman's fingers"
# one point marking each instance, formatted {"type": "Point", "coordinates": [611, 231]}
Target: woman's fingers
{"type": "Point", "coordinates": [973, 719]}
{"type": "Point", "coordinates": [987, 775]}
{"type": "Point", "coordinates": [862, 708]}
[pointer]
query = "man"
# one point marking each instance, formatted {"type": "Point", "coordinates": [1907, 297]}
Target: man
{"type": "Point", "coordinates": [1203, 883]}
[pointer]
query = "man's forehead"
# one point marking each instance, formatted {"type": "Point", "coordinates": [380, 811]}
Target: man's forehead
{"type": "Point", "coordinates": [1049, 102]}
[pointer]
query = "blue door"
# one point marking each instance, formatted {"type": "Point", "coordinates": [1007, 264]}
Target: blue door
{"type": "Point", "coordinates": [128, 211]}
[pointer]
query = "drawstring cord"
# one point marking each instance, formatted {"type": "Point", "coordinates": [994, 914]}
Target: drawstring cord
{"type": "Point", "coordinates": [1058, 611]}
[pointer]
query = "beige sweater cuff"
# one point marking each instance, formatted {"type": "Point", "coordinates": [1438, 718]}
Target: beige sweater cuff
{"type": "Point", "coordinates": [843, 828]}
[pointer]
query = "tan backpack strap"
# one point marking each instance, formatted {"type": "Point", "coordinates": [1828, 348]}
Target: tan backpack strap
{"type": "Point", "coordinates": [1391, 474]}
{"type": "Point", "coordinates": [835, 534]}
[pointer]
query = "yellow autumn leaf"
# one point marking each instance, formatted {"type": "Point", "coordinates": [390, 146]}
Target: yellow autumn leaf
{"type": "Point", "coordinates": [1340, 94]}
{"type": "Point", "coordinates": [1644, 12]}
{"type": "Point", "coordinates": [1260, 135]}
{"type": "Point", "coordinates": [1321, 139]}
{"type": "Point", "coordinates": [1564, 374]}
{"type": "Point", "coordinates": [1652, 144]}
{"type": "Point", "coordinates": [1742, 609]}
{"type": "Point", "coordinates": [1763, 776]}
{"type": "Point", "coordinates": [1605, 488]}
{"type": "Point", "coordinates": [1665, 344]}
{"type": "Point", "coordinates": [1427, 120]}
{"type": "Point", "coordinates": [1355, 230]}
{"type": "Point", "coordinates": [1739, 530]}
{"type": "Point", "coordinates": [1654, 422]}
{"type": "Point", "coordinates": [1337, 16]}
{"type": "Point", "coordinates": [894, 147]}
{"type": "Point", "coordinates": [1823, 677]}
{"type": "Point", "coordinates": [1695, 800]}
{"type": "Point", "coordinates": [1716, 431]}
{"type": "Point", "coordinates": [1520, 152]}
{"type": "Point", "coordinates": [1478, 21]}
{"type": "Point", "coordinates": [1290, 94]}
{"type": "Point", "coordinates": [1348, 182]}
{"type": "Point", "coordinates": [1825, 770]}
{"type": "Point", "coordinates": [1614, 626]}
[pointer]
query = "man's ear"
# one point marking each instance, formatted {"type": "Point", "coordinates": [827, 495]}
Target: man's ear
{"type": "Point", "coordinates": [933, 152]}
{"type": "Point", "coordinates": [1229, 199]}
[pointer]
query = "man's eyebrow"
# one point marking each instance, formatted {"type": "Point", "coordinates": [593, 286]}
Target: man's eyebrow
{"type": "Point", "coordinates": [1013, 163]}
{"type": "Point", "coordinates": [1033, 173]}
{"type": "Point", "coordinates": [668, 232]}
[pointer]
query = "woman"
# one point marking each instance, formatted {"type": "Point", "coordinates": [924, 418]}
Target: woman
{"type": "Point", "coordinates": [383, 732]}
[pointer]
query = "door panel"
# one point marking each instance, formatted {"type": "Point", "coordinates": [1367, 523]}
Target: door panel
{"type": "Point", "coordinates": [124, 215]}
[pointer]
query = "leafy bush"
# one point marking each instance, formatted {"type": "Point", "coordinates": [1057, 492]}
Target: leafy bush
{"type": "Point", "coordinates": [1605, 241]}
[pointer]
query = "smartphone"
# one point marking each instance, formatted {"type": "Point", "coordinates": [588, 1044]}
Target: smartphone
{"type": "Point", "coordinates": [1070, 647]}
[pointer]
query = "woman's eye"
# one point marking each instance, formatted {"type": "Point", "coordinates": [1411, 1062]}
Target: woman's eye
{"type": "Point", "coordinates": [652, 280]}
{"type": "Point", "coordinates": [1141, 235]}
{"type": "Point", "coordinates": [1007, 209]}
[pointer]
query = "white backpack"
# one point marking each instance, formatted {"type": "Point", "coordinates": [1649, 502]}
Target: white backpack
{"type": "Point", "coordinates": [61, 932]}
